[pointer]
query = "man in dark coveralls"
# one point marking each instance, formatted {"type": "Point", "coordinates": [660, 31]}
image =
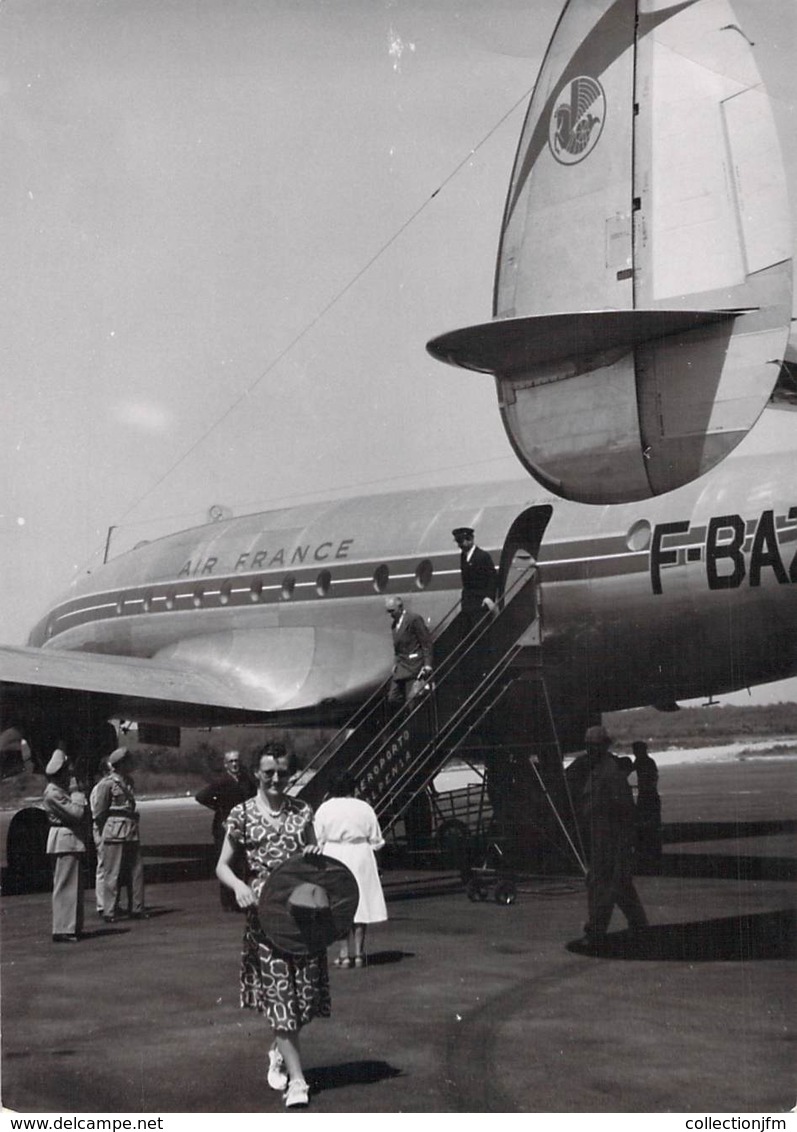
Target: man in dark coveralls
{"type": "Point", "coordinates": [479, 577]}
{"type": "Point", "coordinates": [412, 646]}
{"type": "Point", "coordinates": [235, 785]}
{"type": "Point", "coordinates": [605, 808]}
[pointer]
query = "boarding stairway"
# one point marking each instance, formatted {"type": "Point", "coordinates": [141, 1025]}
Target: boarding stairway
{"type": "Point", "coordinates": [394, 755]}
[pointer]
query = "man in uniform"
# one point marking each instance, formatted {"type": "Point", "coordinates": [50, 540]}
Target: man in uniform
{"type": "Point", "coordinates": [117, 819]}
{"type": "Point", "coordinates": [233, 786]}
{"type": "Point", "coordinates": [66, 812]}
{"type": "Point", "coordinates": [605, 807]}
{"type": "Point", "coordinates": [412, 646]}
{"type": "Point", "coordinates": [479, 577]}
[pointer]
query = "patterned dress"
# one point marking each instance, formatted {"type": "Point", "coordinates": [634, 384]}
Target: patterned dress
{"type": "Point", "coordinates": [289, 989]}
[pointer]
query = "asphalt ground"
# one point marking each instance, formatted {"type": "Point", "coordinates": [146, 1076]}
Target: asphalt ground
{"type": "Point", "coordinates": [464, 1007]}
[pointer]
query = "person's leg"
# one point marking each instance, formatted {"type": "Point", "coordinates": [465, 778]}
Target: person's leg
{"type": "Point", "coordinates": [112, 864]}
{"type": "Point", "coordinates": [288, 1045]}
{"type": "Point", "coordinates": [627, 899]}
{"type": "Point", "coordinates": [357, 944]}
{"type": "Point", "coordinates": [80, 895]}
{"type": "Point", "coordinates": [136, 864]}
{"type": "Point", "coordinates": [297, 1092]}
{"type": "Point", "coordinates": [601, 890]}
{"type": "Point", "coordinates": [99, 876]}
{"type": "Point", "coordinates": [395, 694]}
{"type": "Point", "coordinates": [346, 950]}
{"type": "Point", "coordinates": [66, 894]}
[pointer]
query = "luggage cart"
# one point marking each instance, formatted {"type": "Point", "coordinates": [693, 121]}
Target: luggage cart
{"type": "Point", "coordinates": [491, 876]}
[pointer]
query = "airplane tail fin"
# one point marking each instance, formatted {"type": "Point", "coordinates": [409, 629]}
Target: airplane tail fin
{"type": "Point", "coordinates": [643, 286]}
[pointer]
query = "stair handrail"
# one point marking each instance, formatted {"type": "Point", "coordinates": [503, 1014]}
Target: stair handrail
{"type": "Point", "coordinates": [452, 660]}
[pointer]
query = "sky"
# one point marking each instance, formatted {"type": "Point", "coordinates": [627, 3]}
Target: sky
{"type": "Point", "coordinates": [229, 228]}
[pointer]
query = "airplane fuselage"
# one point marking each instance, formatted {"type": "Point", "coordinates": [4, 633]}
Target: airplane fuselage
{"type": "Point", "coordinates": [685, 595]}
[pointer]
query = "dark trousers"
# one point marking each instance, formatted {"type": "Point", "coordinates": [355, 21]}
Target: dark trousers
{"type": "Point", "coordinates": [401, 690]}
{"type": "Point", "coordinates": [609, 883]}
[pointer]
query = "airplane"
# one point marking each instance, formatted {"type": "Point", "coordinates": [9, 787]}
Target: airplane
{"type": "Point", "coordinates": [640, 350]}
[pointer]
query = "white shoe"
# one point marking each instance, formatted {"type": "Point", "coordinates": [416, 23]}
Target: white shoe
{"type": "Point", "coordinates": [298, 1093]}
{"type": "Point", "coordinates": [277, 1077]}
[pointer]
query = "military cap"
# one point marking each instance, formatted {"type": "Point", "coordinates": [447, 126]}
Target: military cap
{"type": "Point", "coordinates": [462, 532]}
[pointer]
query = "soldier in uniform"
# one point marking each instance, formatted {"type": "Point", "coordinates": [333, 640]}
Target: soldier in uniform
{"type": "Point", "coordinates": [231, 788]}
{"type": "Point", "coordinates": [605, 807]}
{"type": "Point", "coordinates": [117, 819]}
{"type": "Point", "coordinates": [479, 577]}
{"type": "Point", "coordinates": [66, 811]}
{"type": "Point", "coordinates": [412, 645]}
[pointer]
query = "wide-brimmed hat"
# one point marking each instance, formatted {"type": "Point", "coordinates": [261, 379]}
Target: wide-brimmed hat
{"type": "Point", "coordinates": [307, 903]}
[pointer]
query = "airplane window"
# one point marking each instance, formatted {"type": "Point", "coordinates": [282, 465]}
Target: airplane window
{"type": "Point", "coordinates": [148, 602]}
{"type": "Point", "coordinates": [423, 574]}
{"type": "Point", "coordinates": [170, 599]}
{"type": "Point", "coordinates": [50, 628]}
{"type": "Point", "coordinates": [288, 586]}
{"type": "Point", "coordinates": [381, 578]}
{"type": "Point", "coordinates": [198, 597]}
{"type": "Point", "coordinates": [120, 605]}
{"type": "Point", "coordinates": [256, 590]}
{"type": "Point", "coordinates": [323, 583]}
{"type": "Point", "coordinates": [224, 592]}
{"type": "Point", "coordinates": [638, 537]}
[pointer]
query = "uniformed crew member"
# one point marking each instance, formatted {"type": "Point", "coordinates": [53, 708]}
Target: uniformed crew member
{"type": "Point", "coordinates": [117, 819]}
{"type": "Point", "coordinates": [229, 789]}
{"type": "Point", "coordinates": [66, 844]}
{"type": "Point", "coordinates": [605, 807]}
{"type": "Point", "coordinates": [479, 577]}
{"type": "Point", "coordinates": [412, 646]}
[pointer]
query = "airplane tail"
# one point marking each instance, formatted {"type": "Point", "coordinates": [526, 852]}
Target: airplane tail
{"type": "Point", "coordinates": [643, 287]}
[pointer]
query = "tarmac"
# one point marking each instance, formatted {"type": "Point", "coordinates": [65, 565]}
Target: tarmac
{"type": "Point", "coordinates": [464, 1007]}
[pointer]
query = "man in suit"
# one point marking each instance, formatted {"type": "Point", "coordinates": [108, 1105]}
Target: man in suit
{"type": "Point", "coordinates": [234, 786]}
{"type": "Point", "coordinates": [412, 645]}
{"type": "Point", "coordinates": [479, 577]}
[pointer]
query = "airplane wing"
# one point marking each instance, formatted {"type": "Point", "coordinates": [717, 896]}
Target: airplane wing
{"type": "Point", "coordinates": [125, 686]}
{"type": "Point", "coordinates": [306, 676]}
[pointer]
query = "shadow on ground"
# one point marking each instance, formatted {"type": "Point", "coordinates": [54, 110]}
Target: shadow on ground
{"type": "Point", "coordinates": [740, 939]}
{"type": "Point", "coordinates": [384, 958]}
{"type": "Point", "coordinates": [350, 1073]}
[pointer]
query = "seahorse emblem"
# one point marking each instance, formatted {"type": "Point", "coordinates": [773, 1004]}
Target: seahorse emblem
{"type": "Point", "coordinates": [577, 120]}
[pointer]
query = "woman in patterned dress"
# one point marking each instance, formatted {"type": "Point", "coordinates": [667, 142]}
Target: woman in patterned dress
{"type": "Point", "coordinates": [289, 990]}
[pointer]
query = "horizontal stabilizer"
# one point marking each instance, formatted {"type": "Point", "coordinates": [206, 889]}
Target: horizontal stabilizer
{"type": "Point", "coordinates": [514, 345]}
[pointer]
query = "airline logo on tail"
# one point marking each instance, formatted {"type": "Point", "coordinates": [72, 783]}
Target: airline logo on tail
{"type": "Point", "coordinates": [577, 120]}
